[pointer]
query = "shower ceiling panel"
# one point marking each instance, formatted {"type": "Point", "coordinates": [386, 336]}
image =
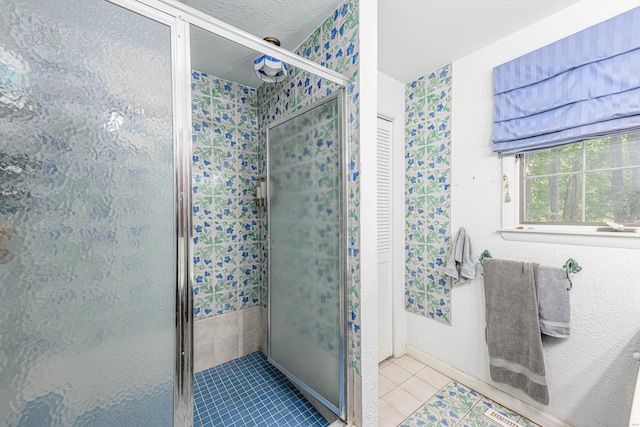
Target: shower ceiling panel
{"type": "Point", "coordinates": [291, 21]}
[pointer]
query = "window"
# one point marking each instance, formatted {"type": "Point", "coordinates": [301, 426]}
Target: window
{"type": "Point", "coordinates": [589, 182]}
{"type": "Point", "coordinates": [563, 111]}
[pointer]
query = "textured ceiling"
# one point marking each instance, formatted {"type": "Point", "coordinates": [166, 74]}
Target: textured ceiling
{"type": "Point", "coordinates": [291, 21]}
{"type": "Point", "coordinates": [414, 36]}
{"type": "Point", "coordinates": [418, 36]}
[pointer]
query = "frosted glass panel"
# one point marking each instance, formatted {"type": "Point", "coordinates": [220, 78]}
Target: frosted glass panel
{"type": "Point", "coordinates": [87, 245]}
{"type": "Point", "coordinates": [305, 249]}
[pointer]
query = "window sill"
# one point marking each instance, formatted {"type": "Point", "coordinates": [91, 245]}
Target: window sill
{"type": "Point", "coordinates": [583, 236]}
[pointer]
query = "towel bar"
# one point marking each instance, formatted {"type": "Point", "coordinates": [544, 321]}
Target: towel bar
{"type": "Point", "coordinates": [571, 266]}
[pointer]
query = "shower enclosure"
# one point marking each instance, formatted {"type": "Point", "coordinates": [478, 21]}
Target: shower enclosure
{"type": "Point", "coordinates": [88, 167]}
{"type": "Point", "coordinates": [96, 311]}
{"type": "Point", "coordinates": [306, 217]}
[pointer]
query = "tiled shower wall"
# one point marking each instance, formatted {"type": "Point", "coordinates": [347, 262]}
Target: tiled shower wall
{"type": "Point", "coordinates": [428, 194]}
{"type": "Point", "coordinates": [228, 225]}
{"type": "Point", "coordinates": [333, 44]}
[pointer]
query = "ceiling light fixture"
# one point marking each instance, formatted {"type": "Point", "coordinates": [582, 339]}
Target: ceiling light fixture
{"type": "Point", "coordinates": [268, 68]}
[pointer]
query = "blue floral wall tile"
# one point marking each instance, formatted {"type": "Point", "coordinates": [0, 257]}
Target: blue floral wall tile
{"type": "Point", "coordinates": [428, 191]}
{"type": "Point", "coordinates": [223, 89]}
{"type": "Point", "coordinates": [223, 112]}
{"type": "Point", "coordinates": [249, 297]}
{"type": "Point", "coordinates": [415, 254]}
{"type": "Point", "coordinates": [226, 162]}
{"type": "Point", "coordinates": [414, 301]}
{"type": "Point", "coordinates": [226, 302]}
{"type": "Point", "coordinates": [225, 278]}
{"type": "Point", "coordinates": [200, 83]}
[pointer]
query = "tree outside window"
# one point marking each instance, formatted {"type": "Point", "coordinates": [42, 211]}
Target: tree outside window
{"type": "Point", "coordinates": [589, 182]}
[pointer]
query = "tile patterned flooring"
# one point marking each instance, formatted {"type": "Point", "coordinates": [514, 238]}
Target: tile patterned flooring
{"type": "Point", "coordinates": [413, 394]}
{"type": "Point", "coordinates": [249, 391]}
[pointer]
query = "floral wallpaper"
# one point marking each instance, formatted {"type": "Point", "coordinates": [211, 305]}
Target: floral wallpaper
{"type": "Point", "coordinates": [229, 260]}
{"type": "Point", "coordinates": [428, 194]}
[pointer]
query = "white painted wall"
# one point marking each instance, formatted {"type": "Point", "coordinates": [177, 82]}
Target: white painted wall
{"type": "Point", "coordinates": [591, 375]}
{"type": "Point", "coordinates": [368, 32]}
{"type": "Point", "coordinates": [391, 106]}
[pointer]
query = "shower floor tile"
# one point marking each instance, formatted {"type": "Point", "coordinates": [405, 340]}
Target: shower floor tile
{"type": "Point", "coordinates": [249, 391]}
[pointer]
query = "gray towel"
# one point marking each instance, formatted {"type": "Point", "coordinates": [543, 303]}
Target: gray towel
{"type": "Point", "coordinates": [459, 265]}
{"type": "Point", "coordinates": [554, 308]}
{"type": "Point", "coordinates": [512, 327]}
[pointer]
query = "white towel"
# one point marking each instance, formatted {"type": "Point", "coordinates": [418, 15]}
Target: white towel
{"type": "Point", "coordinates": [459, 265]}
{"type": "Point", "coordinates": [554, 308]}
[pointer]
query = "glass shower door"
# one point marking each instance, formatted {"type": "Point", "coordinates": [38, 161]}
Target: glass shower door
{"type": "Point", "coordinates": [306, 250]}
{"type": "Point", "coordinates": [87, 222]}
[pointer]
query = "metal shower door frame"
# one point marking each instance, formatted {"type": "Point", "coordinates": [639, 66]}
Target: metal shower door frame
{"type": "Point", "coordinates": [343, 199]}
{"type": "Point", "coordinates": [179, 17]}
{"type": "Point", "coordinates": [183, 230]}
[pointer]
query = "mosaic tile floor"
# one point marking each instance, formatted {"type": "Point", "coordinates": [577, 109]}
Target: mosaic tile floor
{"type": "Point", "coordinates": [249, 391]}
{"type": "Point", "coordinates": [415, 395]}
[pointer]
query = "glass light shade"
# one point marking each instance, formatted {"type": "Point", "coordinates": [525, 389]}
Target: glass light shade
{"type": "Point", "coordinates": [270, 69]}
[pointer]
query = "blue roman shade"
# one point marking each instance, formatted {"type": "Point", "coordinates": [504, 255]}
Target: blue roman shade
{"type": "Point", "coordinates": [583, 86]}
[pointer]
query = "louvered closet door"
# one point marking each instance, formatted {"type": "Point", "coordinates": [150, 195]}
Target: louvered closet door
{"type": "Point", "coordinates": [385, 337]}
